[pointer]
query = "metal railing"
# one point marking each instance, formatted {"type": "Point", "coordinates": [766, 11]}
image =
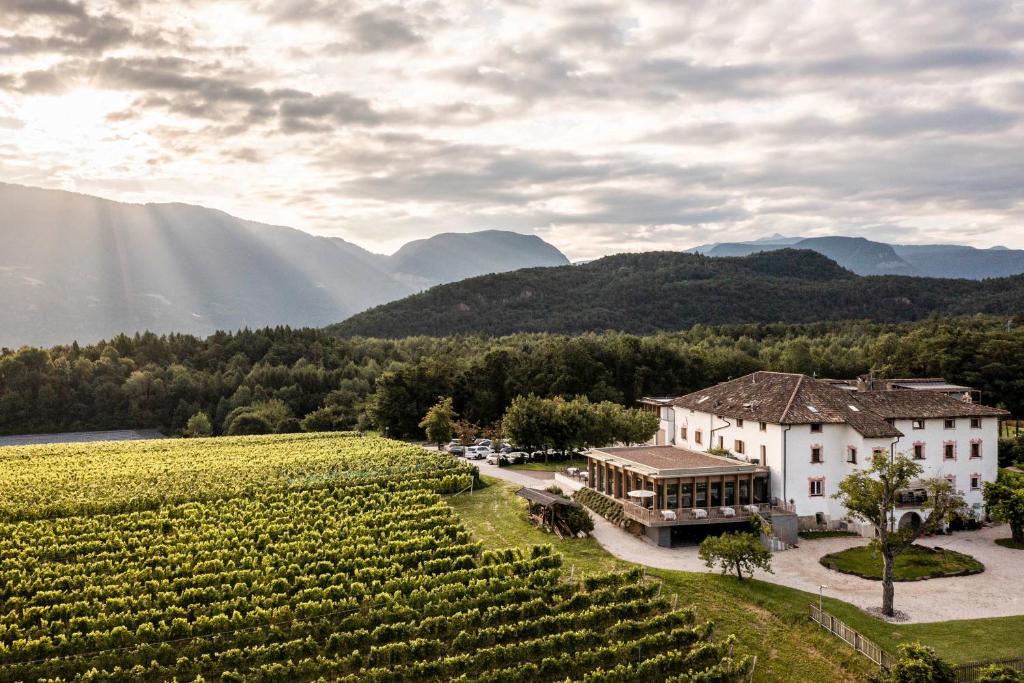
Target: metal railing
{"type": "Point", "coordinates": [859, 643]}
{"type": "Point", "coordinates": [655, 516]}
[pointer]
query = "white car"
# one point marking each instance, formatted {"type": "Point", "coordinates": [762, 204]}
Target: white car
{"type": "Point", "coordinates": [477, 452]}
{"type": "Point", "coordinates": [495, 458]}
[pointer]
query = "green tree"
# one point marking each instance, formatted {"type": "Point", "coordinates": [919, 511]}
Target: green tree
{"type": "Point", "coordinates": [439, 421]}
{"type": "Point", "coordinates": [916, 663]}
{"type": "Point", "coordinates": [1004, 499]}
{"type": "Point", "coordinates": [199, 425]}
{"type": "Point", "coordinates": [871, 494]}
{"type": "Point", "coordinates": [736, 551]}
{"type": "Point", "coordinates": [529, 422]}
{"type": "Point", "coordinates": [328, 419]}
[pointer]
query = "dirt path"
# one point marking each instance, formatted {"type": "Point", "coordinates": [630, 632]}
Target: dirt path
{"type": "Point", "coordinates": [993, 593]}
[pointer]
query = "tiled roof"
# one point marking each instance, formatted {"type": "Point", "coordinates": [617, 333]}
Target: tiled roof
{"type": "Point", "coordinates": [923, 404]}
{"type": "Point", "coordinates": [787, 398]}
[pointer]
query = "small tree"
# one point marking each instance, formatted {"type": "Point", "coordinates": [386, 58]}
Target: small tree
{"type": "Point", "coordinates": [736, 551]}
{"type": "Point", "coordinates": [916, 663]}
{"type": "Point", "coordinates": [199, 425]}
{"type": "Point", "coordinates": [1004, 499]}
{"type": "Point", "coordinates": [871, 495]}
{"type": "Point", "coordinates": [439, 421]}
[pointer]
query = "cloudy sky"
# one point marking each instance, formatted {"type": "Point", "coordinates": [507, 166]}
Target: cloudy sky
{"type": "Point", "coordinates": [600, 126]}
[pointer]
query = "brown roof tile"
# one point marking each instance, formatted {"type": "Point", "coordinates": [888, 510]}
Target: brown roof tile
{"type": "Point", "coordinates": [788, 398]}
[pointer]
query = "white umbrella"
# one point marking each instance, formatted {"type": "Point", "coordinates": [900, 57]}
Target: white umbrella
{"type": "Point", "coordinates": [640, 493]}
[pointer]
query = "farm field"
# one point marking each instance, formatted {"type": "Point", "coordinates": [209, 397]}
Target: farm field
{"type": "Point", "coordinates": [769, 620]}
{"type": "Point", "coordinates": [314, 557]}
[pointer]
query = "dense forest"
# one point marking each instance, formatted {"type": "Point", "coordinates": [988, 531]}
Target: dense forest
{"type": "Point", "coordinates": [663, 291]}
{"type": "Point", "coordinates": [309, 378]}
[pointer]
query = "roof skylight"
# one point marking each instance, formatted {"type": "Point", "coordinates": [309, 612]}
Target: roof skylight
{"type": "Point", "coordinates": [811, 408]}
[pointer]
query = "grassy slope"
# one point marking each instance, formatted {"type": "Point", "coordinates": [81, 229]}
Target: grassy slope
{"type": "Point", "coordinates": [770, 620]}
{"type": "Point", "coordinates": [541, 466]}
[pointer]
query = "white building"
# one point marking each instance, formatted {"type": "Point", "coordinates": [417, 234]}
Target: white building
{"type": "Point", "coordinates": [812, 433]}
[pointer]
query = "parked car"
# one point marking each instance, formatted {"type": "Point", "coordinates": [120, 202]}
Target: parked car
{"type": "Point", "coordinates": [477, 452]}
{"type": "Point", "coordinates": [506, 448]}
{"type": "Point", "coordinates": [457, 450]}
{"type": "Point", "coordinates": [482, 442]}
{"type": "Point", "coordinates": [516, 457]}
{"type": "Point", "coordinates": [496, 459]}
{"type": "Point", "coordinates": [453, 443]}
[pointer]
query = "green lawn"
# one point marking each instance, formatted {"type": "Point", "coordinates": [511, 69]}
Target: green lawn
{"type": "Point", "coordinates": [541, 466]}
{"type": "Point", "coordinates": [914, 564]}
{"type": "Point", "coordinates": [1010, 543]}
{"type": "Point", "coordinates": [769, 620]}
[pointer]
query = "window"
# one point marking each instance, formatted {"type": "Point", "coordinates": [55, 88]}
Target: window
{"type": "Point", "coordinates": [739, 421]}
{"type": "Point", "coordinates": [851, 454]}
{"type": "Point", "coordinates": [975, 449]}
{"type": "Point", "coordinates": [879, 452]}
{"type": "Point", "coordinates": [739, 446]}
{"type": "Point", "coordinates": [682, 433]}
{"type": "Point", "coordinates": [816, 487]}
{"type": "Point", "coordinates": [975, 423]}
{"type": "Point", "coordinates": [721, 442]}
{"type": "Point", "coordinates": [919, 451]}
{"type": "Point", "coordinates": [816, 427]}
{"type": "Point", "coordinates": [949, 423]}
{"type": "Point", "coordinates": [698, 438]}
{"type": "Point", "coordinates": [816, 454]}
{"type": "Point", "coordinates": [975, 482]}
{"type": "Point", "coordinates": [763, 426]}
{"type": "Point", "coordinates": [918, 424]}
{"type": "Point", "coordinates": [951, 480]}
{"type": "Point", "coordinates": [764, 454]}
{"type": "Point", "coordinates": [949, 450]}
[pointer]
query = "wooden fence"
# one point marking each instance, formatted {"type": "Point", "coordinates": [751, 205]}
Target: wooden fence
{"type": "Point", "coordinates": [965, 673]}
{"type": "Point", "coordinates": [970, 673]}
{"type": "Point", "coordinates": [859, 643]}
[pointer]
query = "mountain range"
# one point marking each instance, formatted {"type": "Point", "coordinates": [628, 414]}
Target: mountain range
{"type": "Point", "coordinates": [867, 257]}
{"type": "Point", "coordinates": [76, 267]}
{"type": "Point", "coordinates": [656, 291]}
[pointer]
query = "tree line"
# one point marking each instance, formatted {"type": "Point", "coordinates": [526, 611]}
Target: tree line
{"type": "Point", "coordinates": [283, 379]}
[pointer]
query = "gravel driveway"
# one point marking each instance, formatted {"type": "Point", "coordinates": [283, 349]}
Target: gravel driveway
{"type": "Point", "coordinates": [993, 593]}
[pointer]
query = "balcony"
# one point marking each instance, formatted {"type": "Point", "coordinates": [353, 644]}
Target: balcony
{"type": "Point", "coordinates": [687, 516]}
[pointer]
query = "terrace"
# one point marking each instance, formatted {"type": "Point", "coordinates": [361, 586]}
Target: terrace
{"type": "Point", "coordinates": [665, 486]}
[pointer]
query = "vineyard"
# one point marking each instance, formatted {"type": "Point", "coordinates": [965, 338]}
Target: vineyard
{"type": "Point", "coordinates": [345, 565]}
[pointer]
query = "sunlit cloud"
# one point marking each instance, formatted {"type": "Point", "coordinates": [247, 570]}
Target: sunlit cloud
{"type": "Point", "coordinates": [601, 126]}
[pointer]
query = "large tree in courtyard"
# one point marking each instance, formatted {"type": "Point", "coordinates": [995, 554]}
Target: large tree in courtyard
{"type": "Point", "coordinates": [871, 494]}
{"type": "Point", "coordinates": [1004, 499]}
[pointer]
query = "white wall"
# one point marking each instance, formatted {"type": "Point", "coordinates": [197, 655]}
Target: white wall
{"type": "Point", "coordinates": [835, 440]}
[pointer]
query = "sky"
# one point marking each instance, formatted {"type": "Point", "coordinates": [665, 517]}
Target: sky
{"type": "Point", "coordinates": [600, 126]}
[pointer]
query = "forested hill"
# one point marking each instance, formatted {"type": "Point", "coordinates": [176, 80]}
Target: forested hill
{"type": "Point", "coordinates": [658, 291]}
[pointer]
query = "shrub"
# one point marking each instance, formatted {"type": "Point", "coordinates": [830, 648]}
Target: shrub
{"type": "Point", "coordinates": [199, 425]}
{"type": "Point", "coordinates": [327, 419]}
{"type": "Point", "coordinates": [916, 663]}
{"type": "Point", "coordinates": [578, 519]}
{"type": "Point", "coordinates": [735, 552]}
{"type": "Point", "coordinates": [999, 674]}
{"type": "Point", "coordinates": [608, 508]}
{"type": "Point", "coordinates": [249, 423]}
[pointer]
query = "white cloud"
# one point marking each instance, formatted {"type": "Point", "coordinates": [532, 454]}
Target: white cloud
{"type": "Point", "coordinates": [602, 126]}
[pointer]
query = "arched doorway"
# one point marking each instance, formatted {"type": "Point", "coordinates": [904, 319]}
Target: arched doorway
{"type": "Point", "coordinates": [910, 520]}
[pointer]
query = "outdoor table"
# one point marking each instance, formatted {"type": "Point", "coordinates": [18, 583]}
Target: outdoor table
{"type": "Point", "coordinates": [727, 512]}
{"type": "Point", "coordinates": [751, 508]}
{"type": "Point", "coordinates": [700, 514]}
{"type": "Point", "coordinates": [572, 471]}
{"type": "Point", "coordinates": [668, 514]}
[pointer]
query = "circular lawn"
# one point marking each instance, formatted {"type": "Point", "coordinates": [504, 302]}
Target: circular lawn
{"type": "Point", "coordinates": [917, 563]}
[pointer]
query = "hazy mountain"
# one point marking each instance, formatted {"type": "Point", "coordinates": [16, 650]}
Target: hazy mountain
{"type": "Point", "coordinates": [860, 255]}
{"type": "Point", "coordinates": [79, 267]}
{"type": "Point", "coordinates": [655, 291]}
{"type": "Point", "coordinates": [866, 257]}
{"type": "Point", "coordinates": [450, 257]}
{"type": "Point", "coordinates": [951, 260]}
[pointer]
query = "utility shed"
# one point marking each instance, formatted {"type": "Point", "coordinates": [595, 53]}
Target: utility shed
{"type": "Point", "coordinates": [546, 509]}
